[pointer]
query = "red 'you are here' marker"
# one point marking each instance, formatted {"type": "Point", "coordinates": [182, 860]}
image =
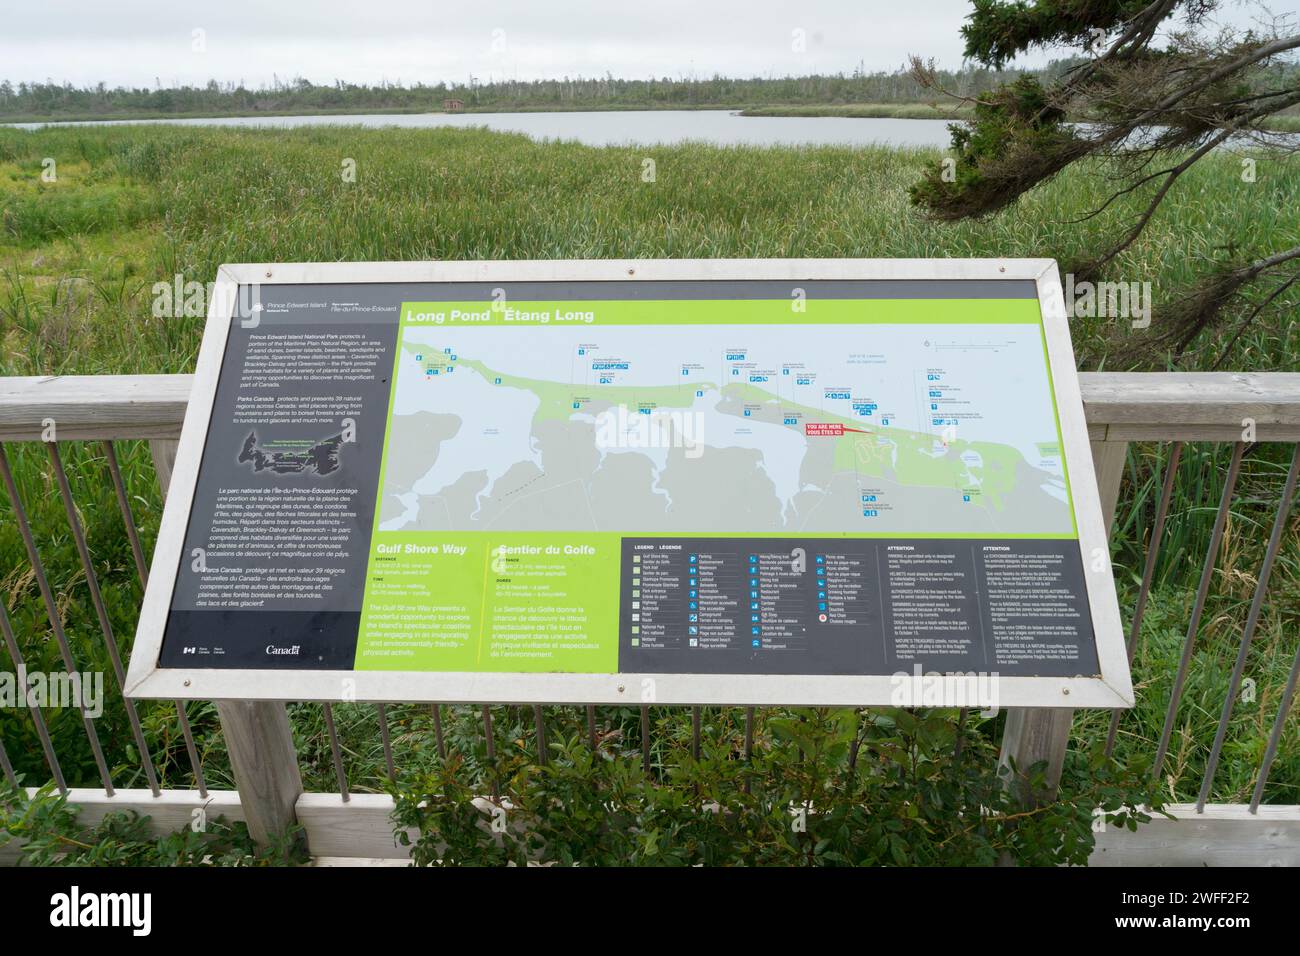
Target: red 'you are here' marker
{"type": "Point", "coordinates": [829, 430]}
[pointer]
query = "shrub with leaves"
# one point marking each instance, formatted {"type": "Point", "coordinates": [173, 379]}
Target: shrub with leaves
{"type": "Point", "coordinates": [49, 833]}
{"type": "Point", "coordinates": [826, 787]}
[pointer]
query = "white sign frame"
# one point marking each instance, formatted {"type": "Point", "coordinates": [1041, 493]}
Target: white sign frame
{"type": "Point", "coordinates": [1113, 688]}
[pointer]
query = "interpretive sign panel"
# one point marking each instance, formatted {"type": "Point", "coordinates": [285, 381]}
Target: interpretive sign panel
{"type": "Point", "coordinates": [795, 481]}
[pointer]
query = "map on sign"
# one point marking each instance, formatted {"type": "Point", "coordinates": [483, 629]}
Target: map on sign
{"type": "Point", "coordinates": [560, 484]}
{"type": "Point", "coordinates": [290, 457]}
{"type": "Point", "coordinates": [775, 428]}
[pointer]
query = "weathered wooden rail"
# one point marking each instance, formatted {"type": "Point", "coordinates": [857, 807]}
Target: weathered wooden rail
{"type": "Point", "coordinates": [1238, 408]}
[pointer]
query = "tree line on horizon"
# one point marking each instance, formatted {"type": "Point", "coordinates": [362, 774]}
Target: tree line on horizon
{"type": "Point", "coordinates": [55, 100]}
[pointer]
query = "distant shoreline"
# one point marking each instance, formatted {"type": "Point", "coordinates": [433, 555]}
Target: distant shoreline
{"type": "Point", "coordinates": [865, 111]}
{"type": "Point", "coordinates": [1287, 123]}
{"type": "Point", "coordinates": [378, 111]}
{"type": "Point", "coordinates": [857, 111]}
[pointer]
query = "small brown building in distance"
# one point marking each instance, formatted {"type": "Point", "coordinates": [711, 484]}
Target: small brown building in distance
{"type": "Point", "coordinates": [453, 106]}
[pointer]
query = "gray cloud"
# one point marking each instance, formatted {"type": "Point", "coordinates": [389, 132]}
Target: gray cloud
{"type": "Point", "coordinates": [135, 41]}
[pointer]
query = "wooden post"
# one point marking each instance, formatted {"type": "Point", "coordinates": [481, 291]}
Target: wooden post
{"type": "Point", "coordinates": [265, 765]}
{"type": "Point", "coordinates": [1108, 458]}
{"type": "Point", "coordinates": [1036, 734]}
{"type": "Point", "coordinates": [259, 739]}
{"type": "Point", "coordinates": [164, 460]}
{"type": "Point", "coordinates": [1030, 736]}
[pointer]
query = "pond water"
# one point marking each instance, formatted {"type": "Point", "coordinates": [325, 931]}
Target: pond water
{"type": "Point", "coordinates": [631, 127]}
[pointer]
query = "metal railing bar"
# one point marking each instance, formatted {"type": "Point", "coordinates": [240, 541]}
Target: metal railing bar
{"type": "Point", "coordinates": [101, 612]}
{"type": "Point", "coordinates": [539, 727]}
{"type": "Point", "coordinates": [52, 612]}
{"type": "Point", "coordinates": [1275, 736]}
{"type": "Point", "coordinates": [491, 752]}
{"type": "Point", "coordinates": [336, 753]}
{"type": "Point", "coordinates": [1252, 620]}
{"type": "Point", "coordinates": [196, 765]}
{"type": "Point", "coordinates": [7, 767]}
{"type": "Point", "coordinates": [387, 739]}
{"type": "Point", "coordinates": [33, 706]}
{"type": "Point", "coordinates": [142, 572]}
{"type": "Point", "coordinates": [856, 746]}
{"type": "Point", "coordinates": [1148, 575]}
{"type": "Point", "coordinates": [436, 710]}
{"type": "Point", "coordinates": [695, 732]}
{"type": "Point", "coordinates": [749, 746]}
{"type": "Point", "coordinates": [124, 506]}
{"type": "Point", "coordinates": [1202, 592]}
{"type": "Point", "coordinates": [645, 737]}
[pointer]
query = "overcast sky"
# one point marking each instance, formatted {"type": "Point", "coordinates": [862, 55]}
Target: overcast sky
{"type": "Point", "coordinates": [135, 42]}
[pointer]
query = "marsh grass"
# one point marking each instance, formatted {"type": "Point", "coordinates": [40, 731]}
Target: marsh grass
{"type": "Point", "coordinates": [138, 205]}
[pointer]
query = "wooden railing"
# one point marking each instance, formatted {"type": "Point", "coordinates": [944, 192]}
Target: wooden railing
{"type": "Point", "coordinates": [1120, 406]}
{"type": "Point", "coordinates": [1239, 408]}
